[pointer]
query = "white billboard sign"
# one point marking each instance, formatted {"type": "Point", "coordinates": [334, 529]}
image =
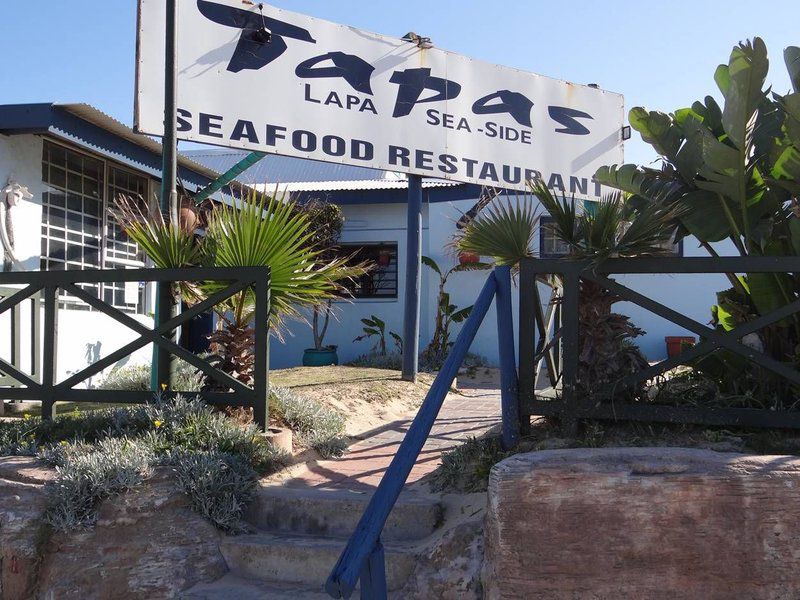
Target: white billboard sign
{"type": "Point", "coordinates": [280, 82]}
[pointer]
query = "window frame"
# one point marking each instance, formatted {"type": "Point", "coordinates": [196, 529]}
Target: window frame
{"type": "Point", "coordinates": [107, 167]}
{"type": "Point", "coordinates": [347, 248]}
{"type": "Point", "coordinates": [545, 220]}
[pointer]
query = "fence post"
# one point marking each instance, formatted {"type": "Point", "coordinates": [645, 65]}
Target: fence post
{"type": "Point", "coordinates": [49, 351]}
{"type": "Point", "coordinates": [527, 340]}
{"type": "Point", "coordinates": [373, 575]}
{"type": "Point", "coordinates": [261, 357]}
{"type": "Point", "coordinates": [570, 344]}
{"type": "Point", "coordinates": [509, 397]}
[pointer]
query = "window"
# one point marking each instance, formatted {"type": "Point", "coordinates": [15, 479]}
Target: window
{"type": "Point", "coordinates": [549, 245]}
{"type": "Point", "coordinates": [74, 219]}
{"type": "Point", "coordinates": [381, 280]}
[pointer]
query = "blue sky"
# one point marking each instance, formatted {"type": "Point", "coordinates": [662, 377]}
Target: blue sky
{"type": "Point", "coordinates": [659, 55]}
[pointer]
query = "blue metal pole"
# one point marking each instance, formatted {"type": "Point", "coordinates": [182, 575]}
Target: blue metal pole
{"type": "Point", "coordinates": [362, 543]}
{"type": "Point", "coordinates": [413, 279]}
{"type": "Point", "coordinates": [508, 363]}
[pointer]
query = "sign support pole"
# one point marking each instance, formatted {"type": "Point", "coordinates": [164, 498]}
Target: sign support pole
{"type": "Point", "coordinates": [166, 307]}
{"type": "Point", "coordinates": [413, 279]}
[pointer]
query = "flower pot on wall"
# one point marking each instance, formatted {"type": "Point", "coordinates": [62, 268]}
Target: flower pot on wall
{"type": "Point", "coordinates": [468, 258]}
{"type": "Point", "coordinates": [677, 343]}
{"type": "Point", "coordinates": [187, 215]}
{"type": "Point", "coordinates": [320, 358]}
{"type": "Point", "coordinates": [384, 258]}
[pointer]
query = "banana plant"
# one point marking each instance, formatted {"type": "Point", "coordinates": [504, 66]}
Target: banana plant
{"type": "Point", "coordinates": [447, 313]}
{"type": "Point", "coordinates": [375, 327]}
{"type": "Point", "coordinates": [734, 172]}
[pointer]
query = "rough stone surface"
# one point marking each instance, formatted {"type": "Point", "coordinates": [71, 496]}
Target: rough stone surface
{"type": "Point", "coordinates": [148, 543]}
{"type": "Point", "coordinates": [22, 503]}
{"type": "Point", "coordinates": [449, 564]}
{"type": "Point", "coordinates": [643, 523]}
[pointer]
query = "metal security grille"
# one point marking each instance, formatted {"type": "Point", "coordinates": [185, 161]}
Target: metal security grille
{"type": "Point", "coordinates": [381, 280]}
{"type": "Point", "coordinates": [78, 233]}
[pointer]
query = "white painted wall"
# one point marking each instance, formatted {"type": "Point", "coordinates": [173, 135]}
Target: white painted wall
{"type": "Point", "coordinates": [83, 336]}
{"type": "Point", "coordinates": [692, 295]}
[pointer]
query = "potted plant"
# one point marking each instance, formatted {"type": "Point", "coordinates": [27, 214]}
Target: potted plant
{"type": "Point", "coordinates": [326, 222]}
{"type": "Point", "coordinates": [468, 258]}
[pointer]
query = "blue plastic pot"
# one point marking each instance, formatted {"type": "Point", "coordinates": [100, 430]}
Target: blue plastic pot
{"type": "Point", "coordinates": [320, 358]}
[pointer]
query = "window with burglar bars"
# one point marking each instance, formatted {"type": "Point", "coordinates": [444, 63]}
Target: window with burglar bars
{"type": "Point", "coordinates": [549, 244]}
{"type": "Point", "coordinates": [77, 231]}
{"type": "Point", "coordinates": [381, 280]}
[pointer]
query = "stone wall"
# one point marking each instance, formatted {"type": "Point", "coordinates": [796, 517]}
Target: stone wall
{"type": "Point", "coordinates": [643, 523]}
{"type": "Point", "coordinates": [148, 543]}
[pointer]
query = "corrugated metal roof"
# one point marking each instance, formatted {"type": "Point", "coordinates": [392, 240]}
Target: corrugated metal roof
{"type": "Point", "coordinates": [89, 113]}
{"type": "Point", "coordinates": [304, 175]}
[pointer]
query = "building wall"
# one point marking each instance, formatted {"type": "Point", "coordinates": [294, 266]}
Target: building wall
{"type": "Point", "coordinates": [692, 295]}
{"type": "Point", "coordinates": [83, 336]}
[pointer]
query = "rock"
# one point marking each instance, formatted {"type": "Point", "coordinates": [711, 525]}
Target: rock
{"type": "Point", "coordinates": [148, 543]}
{"type": "Point", "coordinates": [449, 567]}
{"type": "Point", "coordinates": [643, 523]}
{"type": "Point", "coordinates": [23, 502]}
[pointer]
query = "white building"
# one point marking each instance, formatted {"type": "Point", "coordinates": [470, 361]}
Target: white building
{"type": "Point", "coordinates": [74, 160]}
{"type": "Point", "coordinates": [374, 206]}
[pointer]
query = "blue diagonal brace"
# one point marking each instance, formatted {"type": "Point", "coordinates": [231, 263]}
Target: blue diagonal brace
{"type": "Point", "coordinates": [228, 176]}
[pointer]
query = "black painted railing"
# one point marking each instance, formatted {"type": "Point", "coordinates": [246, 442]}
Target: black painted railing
{"type": "Point", "coordinates": [49, 390]}
{"type": "Point", "coordinates": [551, 346]}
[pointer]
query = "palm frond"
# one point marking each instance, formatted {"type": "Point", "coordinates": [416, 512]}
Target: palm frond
{"type": "Point", "coordinates": [504, 230]}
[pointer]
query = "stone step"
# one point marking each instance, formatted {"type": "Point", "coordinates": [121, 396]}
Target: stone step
{"type": "Point", "coordinates": [334, 513]}
{"type": "Point", "coordinates": [304, 560]}
{"type": "Point", "coordinates": [231, 587]}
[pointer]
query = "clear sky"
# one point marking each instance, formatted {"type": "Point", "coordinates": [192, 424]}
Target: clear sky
{"type": "Point", "coordinates": [660, 55]}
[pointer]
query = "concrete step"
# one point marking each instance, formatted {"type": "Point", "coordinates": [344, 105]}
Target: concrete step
{"type": "Point", "coordinates": [231, 587]}
{"type": "Point", "coordinates": [304, 560]}
{"type": "Point", "coordinates": [335, 513]}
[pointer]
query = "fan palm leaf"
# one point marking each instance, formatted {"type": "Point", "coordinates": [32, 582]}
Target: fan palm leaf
{"type": "Point", "coordinates": [504, 230]}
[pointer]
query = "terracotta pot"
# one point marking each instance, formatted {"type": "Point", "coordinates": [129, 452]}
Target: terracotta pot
{"type": "Point", "coordinates": [468, 258]}
{"type": "Point", "coordinates": [677, 343]}
{"type": "Point", "coordinates": [187, 215]}
{"type": "Point", "coordinates": [384, 258]}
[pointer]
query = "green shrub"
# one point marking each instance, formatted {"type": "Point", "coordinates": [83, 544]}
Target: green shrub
{"type": "Point", "coordinates": [315, 425]}
{"type": "Point", "coordinates": [137, 378]}
{"type": "Point", "coordinates": [218, 484]}
{"type": "Point", "coordinates": [89, 474]}
{"type": "Point", "coordinates": [466, 468]}
{"type": "Point", "coordinates": [101, 453]}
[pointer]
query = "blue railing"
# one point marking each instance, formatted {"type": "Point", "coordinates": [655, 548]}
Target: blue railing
{"type": "Point", "coordinates": [363, 557]}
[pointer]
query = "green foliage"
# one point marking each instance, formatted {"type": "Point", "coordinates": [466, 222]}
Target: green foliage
{"type": "Point", "coordinates": [614, 229]}
{"type": "Point", "coordinates": [89, 474]}
{"type": "Point", "coordinates": [466, 468]}
{"type": "Point", "coordinates": [503, 230]}
{"type": "Point", "coordinates": [104, 452]}
{"type": "Point", "coordinates": [259, 230]}
{"type": "Point", "coordinates": [375, 327]}
{"type": "Point", "coordinates": [219, 486]}
{"type": "Point", "coordinates": [732, 172]}
{"type": "Point", "coordinates": [137, 378]}
{"type": "Point", "coordinates": [447, 313]}
{"type": "Point", "coordinates": [314, 424]}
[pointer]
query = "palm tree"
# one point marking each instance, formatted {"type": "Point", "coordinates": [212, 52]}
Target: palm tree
{"type": "Point", "coordinates": [258, 230]}
{"type": "Point", "coordinates": [614, 229]}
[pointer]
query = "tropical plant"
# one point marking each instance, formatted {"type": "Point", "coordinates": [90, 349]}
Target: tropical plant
{"type": "Point", "coordinates": [325, 223]}
{"type": "Point", "coordinates": [258, 230]}
{"type": "Point", "coordinates": [375, 327]}
{"type": "Point", "coordinates": [502, 230]}
{"type": "Point", "coordinates": [614, 228]}
{"type": "Point", "coordinates": [447, 313]}
{"type": "Point", "coordinates": [735, 173]}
